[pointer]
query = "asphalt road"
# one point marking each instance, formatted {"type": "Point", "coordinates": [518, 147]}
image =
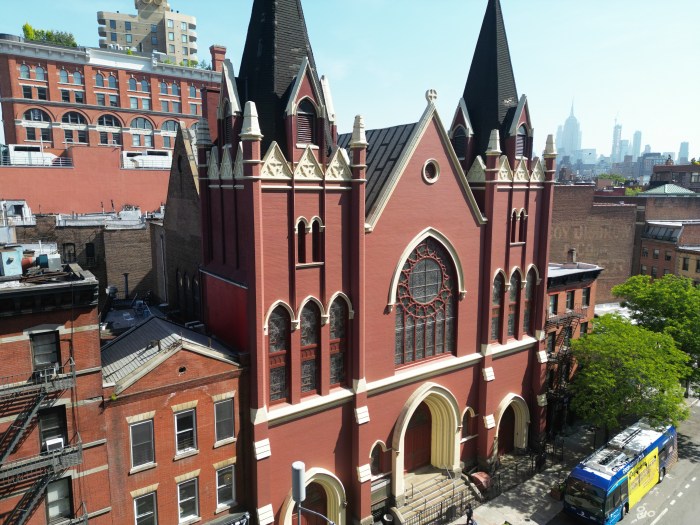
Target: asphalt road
{"type": "Point", "coordinates": [676, 500]}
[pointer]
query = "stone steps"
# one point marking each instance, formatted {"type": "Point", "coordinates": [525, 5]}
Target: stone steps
{"type": "Point", "coordinates": [430, 491]}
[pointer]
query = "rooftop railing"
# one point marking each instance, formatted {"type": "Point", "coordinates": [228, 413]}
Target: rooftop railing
{"type": "Point", "coordinates": [43, 162]}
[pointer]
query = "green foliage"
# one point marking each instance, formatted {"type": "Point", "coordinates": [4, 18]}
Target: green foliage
{"type": "Point", "coordinates": [626, 370]}
{"type": "Point", "coordinates": [615, 178]}
{"type": "Point", "coordinates": [129, 51]}
{"type": "Point", "coordinates": [204, 65]}
{"type": "Point", "coordinates": [670, 305]}
{"type": "Point", "coordinates": [631, 192]}
{"type": "Point", "coordinates": [48, 35]}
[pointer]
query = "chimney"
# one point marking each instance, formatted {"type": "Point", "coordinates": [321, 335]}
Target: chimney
{"type": "Point", "coordinates": [572, 256]}
{"type": "Point", "coordinates": [218, 54]}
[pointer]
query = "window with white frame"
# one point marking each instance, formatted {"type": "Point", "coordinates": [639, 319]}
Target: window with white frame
{"type": "Point", "coordinates": [188, 500]}
{"type": "Point", "coordinates": [185, 431]}
{"type": "Point", "coordinates": [145, 510]}
{"type": "Point", "coordinates": [225, 492]}
{"type": "Point", "coordinates": [223, 412]}
{"type": "Point", "coordinates": [142, 450]}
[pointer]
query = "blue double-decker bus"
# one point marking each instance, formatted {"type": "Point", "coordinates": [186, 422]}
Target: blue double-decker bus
{"type": "Point", "coordinates": [612, 480]}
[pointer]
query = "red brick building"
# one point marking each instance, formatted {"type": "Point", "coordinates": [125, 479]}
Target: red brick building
{"type": "Point", "coordinates": [171, 405]}
{"type": "Point", "coordinates": [98, 120]}
{"type": "Point", "coordinates": [664, 247]}
{"type": "Point", "coordinates": [571, 295]}
{"type": "Point", "coordinates": [53, 457]}
{"type": "Point", "coordinates": [389, 285]}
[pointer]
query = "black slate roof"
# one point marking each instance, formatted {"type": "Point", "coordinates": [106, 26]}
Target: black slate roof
{"type": "Point", "coordinates": [490, 93]}
{"type": "Point", "coordinates": [384, 150]}
{"type": "Point", "coordinates": [275, 47]}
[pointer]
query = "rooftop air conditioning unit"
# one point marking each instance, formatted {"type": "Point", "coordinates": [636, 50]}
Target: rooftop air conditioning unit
{"type": "Point", "coordinates": [54, 444]}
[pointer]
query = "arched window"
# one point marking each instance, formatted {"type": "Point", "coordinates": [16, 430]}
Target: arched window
{"type": "Point", "coordinates": [227, 123]}
{"type": "Point", "coordinates": [99, 80]}
{"type": "Point", "coordinates": [77, 78]}
{"type": "Point", "coordinates": [63, 76]}
{"type": "Point", "coordinates": [109, 121]}
{"type": "Point", "coordinates": [379, 461]}
{"type": "Point", "coordinates": [169, 125]}
{"type": "Point", "coordinates": [23, 71]}
{"type": "Point", "coordinates": [278, 332]}
{"type": "Point", "coordinates": [306, 123]}
{"type": "Point", "coordinates": [523, 226]}
{"type": "Point", "coordinates": [193, 91]}
{"type": "Point", "coordinates": [132, 84]}
{"type": "Point", "coordinates": [339, 329]}
{"type": "Point", "coordinates": [141, 123]}
{"type": "Point", "coordinates": [310, 348]}
{"type": "Point", "coordinates": [73, 117]}
{"type": "Point", "coordinates": [316, 251]}
{"type": "Point", "coordinates": [175, 89]}
{"type": "Point", "coordinates": [514, 227]}
{"type": "Point", "coordinates": [513, 296]}
{"type": "Point", "coordinates": [36, 115]}
{"type": "Point", "coordinates": [496, 303]}
{"type": "Point", "coordinates": [529, 297]}
{"type": "Point", "coordinates": [468, 424]}
{"type": "Point", "coordinates": [39, 73]}
{"type": "Point", "coordinates": [163, 88]}
{"type": "Point", "coordinates": [459, 142]}
{"type": "Point", "coordinates": [301, 242]}
{"type": "Point", "coordinates": [521, 139]}
{"type": "Point", "coordinates": [144, 86]}
{"type": "Point", "coordinates": [426, 304]}
{"type": "Point", "coordinates": [112, 81]}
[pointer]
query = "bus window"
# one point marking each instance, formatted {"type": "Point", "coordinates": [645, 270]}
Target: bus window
{"type": "Point", "coordinates": [613, 500]}
{"type": "Point", "coordinates": [623, 490]}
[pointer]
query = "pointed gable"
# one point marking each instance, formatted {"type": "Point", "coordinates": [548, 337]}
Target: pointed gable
{"type": "Point", "coordinates": [275, 48]}
{"type": "Point", "coordinates": [490, 93]}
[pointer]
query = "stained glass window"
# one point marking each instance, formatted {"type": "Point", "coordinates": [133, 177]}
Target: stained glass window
{"type": "Point", "coordinates": [278, 329]}
{"type": "Point", "coordinates": [496, 301]}
{"type": "Point", "coordinates": [310, 352]}
{"type": "Point", "coordinates": [529, 298]}
{"type": "Point", "coordinates": [513, 294]}
{"type": "Point", "coordinates": [426, 304]}
{"type": "Point", "coordinates": [338, 326]}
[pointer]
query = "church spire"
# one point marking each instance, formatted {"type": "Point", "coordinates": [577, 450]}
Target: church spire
{"type": "Point", "coordinates": [275, 48]}
{"type": "Point", "coordinates": [490, 93]}
{"type": "Point", "coordinates": [572, 109]}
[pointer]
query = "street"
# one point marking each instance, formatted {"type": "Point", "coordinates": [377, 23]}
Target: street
{"type": "Point", "coordinates": [675, 500]}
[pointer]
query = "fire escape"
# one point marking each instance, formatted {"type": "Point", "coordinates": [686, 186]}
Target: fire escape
{"type": "Point", "coordinates": [559, 365]}
{"type": "Point", "coordinates": [25, 397]}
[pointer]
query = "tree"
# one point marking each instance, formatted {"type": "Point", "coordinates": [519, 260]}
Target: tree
{"type": "Point", "coordinates": [670, 305]}
{"type": "Point", "coordinates": [626, 371]}
{"type": "Point", "coordinates": [48, 35]}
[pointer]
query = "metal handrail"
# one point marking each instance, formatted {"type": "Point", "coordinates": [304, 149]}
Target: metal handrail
{"type": "Point", "coordinates": [39, 378]}
{"type": "Point", "coordinates": [42, 162]}
{"type": "Point", "coordinates": [58, 460]}
{"type": "Point", "coordinates": [578, 310]}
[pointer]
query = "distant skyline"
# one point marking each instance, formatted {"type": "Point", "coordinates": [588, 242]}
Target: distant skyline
{"type": "Point", "coordinates": [630, 60]}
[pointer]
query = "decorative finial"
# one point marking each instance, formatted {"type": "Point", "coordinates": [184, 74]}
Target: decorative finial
{"type": "Point", "coordinates": [251, 125]}
{"type": "Point", "coordinates": [431, 96]}
{"type": "Point", "coordinates": [551, 147]}
{"type": "Point", "coordinates": [359, 139]}
{"type": "Point", "coordinates": [494, 143]}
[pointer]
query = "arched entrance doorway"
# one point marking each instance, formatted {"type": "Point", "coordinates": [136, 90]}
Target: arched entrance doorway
{"type": "Point", "coordinates": [513, 423]}
{"type": "Point", "coordinates": [317, 501]}
{"type": "Point", "coordinates": [417, 440]}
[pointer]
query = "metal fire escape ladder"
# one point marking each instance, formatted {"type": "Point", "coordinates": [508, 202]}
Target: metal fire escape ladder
{"type": "Point", "coordinates": [15, 432]}
{"type": "Point", "coordinates": [23, 511]}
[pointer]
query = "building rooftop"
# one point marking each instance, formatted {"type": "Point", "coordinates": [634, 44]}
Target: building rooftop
{"type": "Point", "coordinates": [138, 351]}
{"type": "Point", "coordinates": [565, 269]}
{"type": "Point", "coordinates": [667, 189]}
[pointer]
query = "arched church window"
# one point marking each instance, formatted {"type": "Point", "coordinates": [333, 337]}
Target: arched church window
{"type": "Point", "coordinates": [459, 142]}
{"type": "Point", "coordinates": [301, 242]}
{"type": "Point", "coordinates": [310, 348]}
{"type": "Point", "coordinates": [339, 328]}
{"type": "Point", "coordinates": [514, 226]}
{"type": "Point", "coordinates": [316, 241]}
{"type": "Point", "coordinates": [513, 296]}
{"type": "Point", "coordinates": [306, 123]}
{"type": "Point", "coordinates": [529, 297]}
{"type": "Point", "coordinates": [278, 331]}
{"type": "Point", "coordinates": [426, 304]}
{"type": "Point", "coordinates": [496, 302]}
{"type": "Point", "coordinates": [227, 124]}
{"type": "Point", "coordinates": [521, 149]}
{"type": "Point", "coordinates": [523, 226]}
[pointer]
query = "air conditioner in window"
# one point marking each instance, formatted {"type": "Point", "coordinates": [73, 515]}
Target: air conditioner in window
{"type": "Point", "coordinates": [47, 374]}
{"type": "Point", "coordinates": [54, 444]}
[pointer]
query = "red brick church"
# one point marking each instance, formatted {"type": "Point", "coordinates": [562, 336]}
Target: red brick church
{"type": "Point", "coordinates": [388, 284]}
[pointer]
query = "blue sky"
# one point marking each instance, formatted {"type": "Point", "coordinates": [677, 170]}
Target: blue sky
{"type": "Point", "coordinates": [634, 60]}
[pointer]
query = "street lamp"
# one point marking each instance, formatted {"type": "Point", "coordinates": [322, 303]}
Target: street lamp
{"type": "Point", "coordinates": [299, 491]}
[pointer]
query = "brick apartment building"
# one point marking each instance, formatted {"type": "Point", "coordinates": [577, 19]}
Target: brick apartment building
{"type": "Point", "coordinates": [667, 247]}
{"type": "Point", "coordinates": [53, 457]}
{"type": "Point", "coordinates": [90, 128]}
{"type": "Point", "coordinates": [683, 175]}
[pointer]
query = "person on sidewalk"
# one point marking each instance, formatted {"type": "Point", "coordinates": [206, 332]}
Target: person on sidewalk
{"type": "Point", "coordinates": [470, 513]}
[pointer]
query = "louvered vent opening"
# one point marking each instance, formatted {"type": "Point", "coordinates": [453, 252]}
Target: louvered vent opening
{"type": "Point", "coordinates": [459, 142]}
{"type": "Point", "coordinates": [306, 119]}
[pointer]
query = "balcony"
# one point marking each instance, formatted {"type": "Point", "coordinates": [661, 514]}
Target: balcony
{"type": "Point", "coordinates": [53, 379]}
{"type": "Point", "coordinates": [102, 31]}
{"type": "Point", "coordinates": [45, 160]}
{"type": "Point", "coordinates": [57, 461]}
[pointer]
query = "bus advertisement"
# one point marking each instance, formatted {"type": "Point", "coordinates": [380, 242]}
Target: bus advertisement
{"type": "Point", "coordinates": [607, 484]}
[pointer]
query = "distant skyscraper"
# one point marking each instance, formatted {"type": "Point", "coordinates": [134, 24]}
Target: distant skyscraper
{"type": "Point", "coordinates": [624, 149]}
{"type": "Point", "coordinates": [617, 134]}
{"type": "Point", "coordinates": [647, 149]}
{"type": "Point", "coordinates": [637, 145]}
{"type": "Point", "coordinates": [683, 153]}
{"type": "Point", "coordinates": [570, 140]}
